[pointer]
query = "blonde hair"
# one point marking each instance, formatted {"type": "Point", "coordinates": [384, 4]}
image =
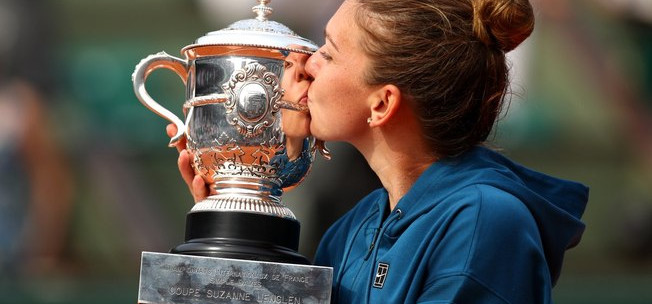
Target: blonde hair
{"type": "Point", "coordinates": [449, 56]}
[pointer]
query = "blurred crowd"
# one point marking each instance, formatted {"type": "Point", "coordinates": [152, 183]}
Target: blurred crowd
{"type": "Point", "coordinates": [87, 183]}
{"type": "Point", "coordinates": [36, 187]}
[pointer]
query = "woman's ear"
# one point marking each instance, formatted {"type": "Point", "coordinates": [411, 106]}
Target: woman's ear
{"type": "Point", "coordinates": [385, 105]}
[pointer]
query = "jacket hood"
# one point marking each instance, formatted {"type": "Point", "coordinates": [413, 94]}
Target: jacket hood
{"type": "Point", "coordinates": [555, 204]}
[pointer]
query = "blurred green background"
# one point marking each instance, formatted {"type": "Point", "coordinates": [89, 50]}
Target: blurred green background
{"type": "Point", "coordinates": [88, 183]}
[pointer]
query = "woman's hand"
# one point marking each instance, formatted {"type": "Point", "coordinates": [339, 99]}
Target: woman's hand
{"type": "Point", "coordinates": [196, 184]}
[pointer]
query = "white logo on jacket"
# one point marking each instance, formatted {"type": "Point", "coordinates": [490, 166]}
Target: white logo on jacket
{"type": "Point", "coordinates": [381, 275]}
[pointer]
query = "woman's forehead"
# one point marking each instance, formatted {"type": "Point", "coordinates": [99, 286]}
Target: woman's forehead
{"type": "Point", "coordinates": [340, 27]}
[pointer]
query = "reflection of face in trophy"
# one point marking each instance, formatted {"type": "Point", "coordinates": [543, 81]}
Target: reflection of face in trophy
{"type": "Point", "coordinates": [296, 124]}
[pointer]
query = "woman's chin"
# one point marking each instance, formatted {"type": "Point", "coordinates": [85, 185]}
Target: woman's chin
{"type": "Point", "coordinates": [313, 131]}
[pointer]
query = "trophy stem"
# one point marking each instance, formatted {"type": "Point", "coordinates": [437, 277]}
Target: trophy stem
{"type": "Point", "coordinates": [242, 235]}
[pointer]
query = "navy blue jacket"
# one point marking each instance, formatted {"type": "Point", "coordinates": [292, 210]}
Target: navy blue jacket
{"type": "Point", "coordinates": [477, 228]}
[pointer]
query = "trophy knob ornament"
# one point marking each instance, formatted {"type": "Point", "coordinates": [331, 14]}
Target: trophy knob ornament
{"type": "Point", "coordinates": [262, 10]}
{"type": "Point", "coordinates": [236, 118]}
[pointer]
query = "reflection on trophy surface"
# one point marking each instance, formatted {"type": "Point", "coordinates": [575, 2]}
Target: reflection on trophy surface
{"type": "Point", "coordinates": [246, 125]}
{"type": "Point", "coordinates": [288, 154]}
{"type": "Point", "coordinates": [262, 146]}
{"type": "Point", "coordinates": [247, 128]}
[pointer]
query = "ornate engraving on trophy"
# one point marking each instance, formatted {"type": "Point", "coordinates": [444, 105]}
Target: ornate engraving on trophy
{"type": "Point", "coordinates": [254, 99]}
{"type": "Point", "coordinates": [228, 158]}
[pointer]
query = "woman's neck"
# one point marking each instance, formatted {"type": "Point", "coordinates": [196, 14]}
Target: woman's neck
{"type": "Point", "coordinates": [398, 166]}
{"type": "Point", "coordinates": [399, 174]}
{"type": "Point", "coordinates": [398, 152]}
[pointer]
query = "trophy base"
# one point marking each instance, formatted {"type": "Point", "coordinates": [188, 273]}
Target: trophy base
{"type": "Point", "coordinates": [183, 279]}
{"type": "Point", "coordinates": [242, 235]}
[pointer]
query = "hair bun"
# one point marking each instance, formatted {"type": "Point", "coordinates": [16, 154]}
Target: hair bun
{"type": "Point", "coordinates": [503, 23]}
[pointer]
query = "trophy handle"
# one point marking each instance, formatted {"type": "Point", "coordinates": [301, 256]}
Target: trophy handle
{"type": "Point", "coordinates": [289, 105]}
{"type": "Point", "coordinates": [143, 69]}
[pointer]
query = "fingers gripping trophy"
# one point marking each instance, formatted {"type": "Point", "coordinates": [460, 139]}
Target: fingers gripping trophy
{"type": "Point", "coordinates": [246, 127]}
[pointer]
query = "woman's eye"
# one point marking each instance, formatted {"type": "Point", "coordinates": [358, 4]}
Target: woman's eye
{"type": "Point", "coordinates": [325, 56]}
{"type": "Point", "coordinates": [287, 64]}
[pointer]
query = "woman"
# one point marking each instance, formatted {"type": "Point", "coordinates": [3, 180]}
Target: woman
{"type": "Point", "coordinates": [416, 87]}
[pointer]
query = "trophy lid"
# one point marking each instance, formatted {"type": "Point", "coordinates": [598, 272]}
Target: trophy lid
{"type": "Point", "coordinates": [258, 32]}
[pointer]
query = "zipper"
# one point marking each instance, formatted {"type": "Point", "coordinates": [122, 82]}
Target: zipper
{"type": "Point", "coordinates": [347, 254]}
{"type": "Point", "coordinates": [373, 248]}
{"type": "Point", "coordinates": [395, 215]}
{"type": "Point", "coordinates": [373, 244]}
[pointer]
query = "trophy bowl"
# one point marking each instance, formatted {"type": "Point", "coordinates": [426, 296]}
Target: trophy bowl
{"type": "Point", "coordinates": [247, 128]}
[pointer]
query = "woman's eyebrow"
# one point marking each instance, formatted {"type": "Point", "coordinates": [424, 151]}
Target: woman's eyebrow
{"type": "Point", "coordinates": [328, 37]}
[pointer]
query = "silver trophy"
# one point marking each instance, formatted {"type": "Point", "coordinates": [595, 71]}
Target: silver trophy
{"type": "Point", "coordinates": [247, 127]}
